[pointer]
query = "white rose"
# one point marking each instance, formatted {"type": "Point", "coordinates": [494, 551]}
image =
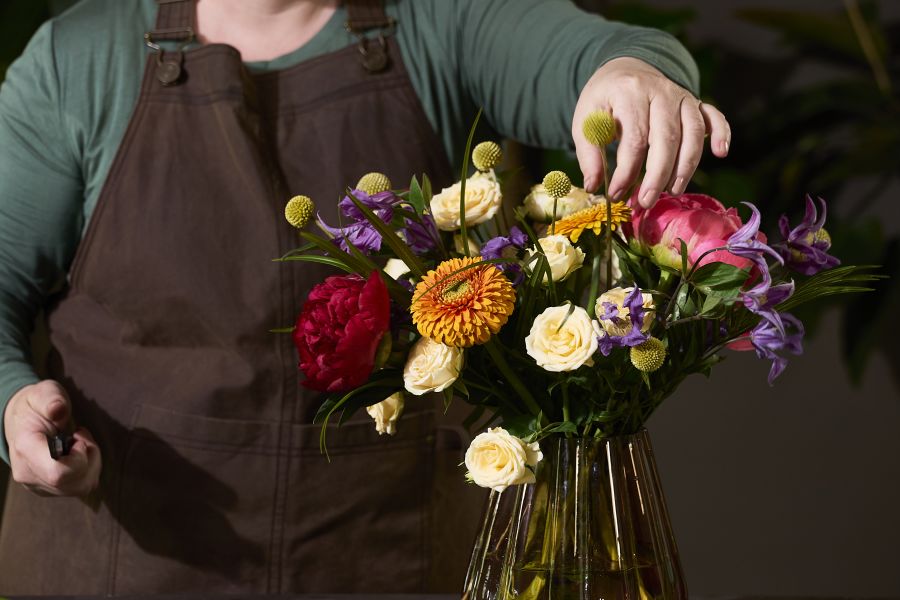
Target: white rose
{"type": "Point", "coordinates": [558, 343]}
{"type": "Point", "coordinates": [495, 459]}
{"type": "Point", "coordinates": [386, 413]}
{"type": "Point", "coordinates": [620, 324]}
{"type": "Point", "coordinates": [483, 199]}
{"type": "Point", "coordinates": [539, 203]}
{"type": "Point", "coordinates": [431, 367]}
{"type": "Point", "coordinates": [562, 257]}
{"type": "Point", "coordinates": [396, 268]}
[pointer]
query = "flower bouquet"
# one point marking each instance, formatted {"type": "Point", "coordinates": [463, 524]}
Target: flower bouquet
{"type": "Point", "coordinates": [564, 330]}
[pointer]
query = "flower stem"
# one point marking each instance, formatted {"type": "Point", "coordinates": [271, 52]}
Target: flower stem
{"type": "Point", "coordinates": [497, 355]}
{"type": "Point", "coordinates": [596, 263]}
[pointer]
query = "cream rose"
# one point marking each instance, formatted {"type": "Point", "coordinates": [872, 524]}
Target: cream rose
{"type": "Point", "coordinates": [620, 324]}
{"type": "Point", "coordinates": [495, 459]}
{"type": "Point", "coordinates": [431, 367]}
{"type": "Point", "coordinates": [559, 343]}
{"type": "Point", "coordinates": [396, 268]}
{"type": "Point", "coordinates": [483, 199]}
{"type": "Point", "coordinates": [386, 413]}
{"type": "Point", "coordinates": [562, 257]}
{"type": "Point", "coordinates": [539, 204]}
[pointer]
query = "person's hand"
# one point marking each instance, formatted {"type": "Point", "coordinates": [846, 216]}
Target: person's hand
{"type": "Point", "coordinates": [657, 120]}
{"type": "Point", "coordinates": [32, 414]}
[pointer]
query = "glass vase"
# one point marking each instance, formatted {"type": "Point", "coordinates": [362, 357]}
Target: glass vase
{"type": "Point", "coordinates": [594, 526]}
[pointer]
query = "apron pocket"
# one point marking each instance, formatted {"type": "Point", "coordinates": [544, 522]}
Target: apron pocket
{"type": "Point", "coordinates": [359, 523]}
{"type": "Point", "coordinates": [194, 504]}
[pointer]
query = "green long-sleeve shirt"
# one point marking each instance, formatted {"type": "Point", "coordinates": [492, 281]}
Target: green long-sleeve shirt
{"type": "Point", "coordinates": [66, 103]}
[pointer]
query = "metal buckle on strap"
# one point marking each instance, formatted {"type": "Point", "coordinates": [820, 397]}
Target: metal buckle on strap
{"type": "Point", "coordinates": [374, 58]}
{"type": "Point", "coordinates": [168, 64]}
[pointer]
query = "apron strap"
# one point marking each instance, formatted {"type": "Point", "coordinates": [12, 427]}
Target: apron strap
{"type": "Point", "coordinates": [363, 16]}
{"type": "Point", "coordinates": [176, 21]}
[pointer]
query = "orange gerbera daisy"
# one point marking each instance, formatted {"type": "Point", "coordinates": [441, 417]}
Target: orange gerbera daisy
{"type": "Point", "coordinates": [462, 308]}
{"type": "Point", "coordinates": [592, 218]}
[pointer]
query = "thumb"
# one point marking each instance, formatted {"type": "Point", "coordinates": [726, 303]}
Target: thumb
{"type": "Point", "coordinates": [49, 400]}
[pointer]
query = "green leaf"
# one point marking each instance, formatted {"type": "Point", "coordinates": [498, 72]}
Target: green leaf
{"type": "Point", "coordinates": [416, 197]}
{"type": "Point", "coordinates": [283, 330]}
{"type": "Point", "coordinates": [684, 256]}
{"type": "Point", "coordinates": [719, 276]}
{"type": "Point", "coordinates": [390, 237]}
{"type": "Point", "coordinates": [462, 183]}
{"type": "Point", "coordinates": [322, 260]}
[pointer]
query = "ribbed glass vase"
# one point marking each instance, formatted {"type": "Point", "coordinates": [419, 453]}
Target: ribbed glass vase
{"type": "Point", "coordinates": [593, 526]}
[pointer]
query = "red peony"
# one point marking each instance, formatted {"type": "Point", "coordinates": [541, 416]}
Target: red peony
{"type": "Point", "coordinates": [701, 221]}
{"type": "Point", "coordinates": [339, 330]}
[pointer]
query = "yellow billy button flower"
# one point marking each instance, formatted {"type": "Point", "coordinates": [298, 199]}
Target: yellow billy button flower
{"type": "Point", "coordinates": [374, 183]}
{"type": "Point", "coordinates": [461, 305]}
{"type": "Point", "coordinates": [486, 156]}
{"type": "Point", "coordinates": [599, 128]}
{"type": "Point", "coordinates": [649, 356]}
{"type": "Point", "coordinates": [298, 210]}
{"type": "Point", "coordinates": [557, 184]}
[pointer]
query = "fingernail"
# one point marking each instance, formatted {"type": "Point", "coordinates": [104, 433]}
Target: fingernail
{"type": "Point", "coordinates": [725, 145]}
{"type": "Point", "coordinates": [590, 183]}
{"type": "Point", "coordinates": [678, 187]}
{"type": "Point", "coordinates": [614, 194]}
{"type": "Point", "coordinates": [649, 197]}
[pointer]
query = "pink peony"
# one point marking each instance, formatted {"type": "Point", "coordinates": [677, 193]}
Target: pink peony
{"type": "Point", "coordinates": [701, 221]}
{"type": "Point", "coordinates": [339, 330]}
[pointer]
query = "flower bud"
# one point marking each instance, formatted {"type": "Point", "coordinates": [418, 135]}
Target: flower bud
{"type": "Point", "coordinates": [649, 356]}
{"type": "Point", "coordinates": [486, 156]}
{"type": "Point", "coordinates": [557, 184]}
{"type": "Point", "coordinates": [298, 210]}
{"type": "Point", "coordinates": [599, 128]}
{"type": "Point", "coordinates": [374, 183]}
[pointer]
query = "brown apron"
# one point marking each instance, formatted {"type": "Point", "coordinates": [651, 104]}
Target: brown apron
{"type": "Point", "coordinates": [212, 478]}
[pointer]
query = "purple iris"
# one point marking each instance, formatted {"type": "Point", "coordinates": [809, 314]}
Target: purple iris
{"type": "Point", "coordinates": [770, 338]}
{"type": "Point", "coordinates": [421, 237]}
{"type": "Point", "coordinates": [805, 247]}
{"type": "Point", "coordinates": [507, 247]}
{"type": "Point", "coordinates": [743, 243]}
{"type": "Point", "coordinates": [359, 231]}
{"type": "Point", "coordinates": [634, 302]}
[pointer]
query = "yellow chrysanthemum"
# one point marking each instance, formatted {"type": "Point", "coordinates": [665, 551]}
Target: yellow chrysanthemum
{"type": "Point", "coordinates": [649, 356]}
{"type": "Point", "coordinates": [465, 308]}
{"type": "Point", "coordinates": [298, 210]}
{"type": "Point", "coordinates": [374, 183]}
{"type": "Point", "coordinates": [486, 156]}
{"type": "Point", "coordinates": [592, 218]}
{"type": "Point", "coordinates": [599, 128]}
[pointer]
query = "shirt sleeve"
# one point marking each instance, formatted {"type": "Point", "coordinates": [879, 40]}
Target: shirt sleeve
{"type": "Point", "coordinates": [41, 196]}
{"type": "Point", "coordinates": [526, 61]}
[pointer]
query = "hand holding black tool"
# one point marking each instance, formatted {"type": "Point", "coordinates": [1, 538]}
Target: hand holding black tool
{"type": "Point", "coordinates": [38, 418]}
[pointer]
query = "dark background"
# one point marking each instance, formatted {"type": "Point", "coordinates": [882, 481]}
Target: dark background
{"type": "Point", "coordinates": [791, 490]}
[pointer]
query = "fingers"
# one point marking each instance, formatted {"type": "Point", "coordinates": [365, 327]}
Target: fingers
{"type": "Point", "coordinates": [32, 414]}
{"type": "Point", "coordinates": [50, 403]}
{"type": "Point", "coordinates": [693, 131]}
{"type": "Point", "coordinates": [718, 128]}
{"type": "Point", "coordinates": [665, 138]}
{"type": "Point", "coordinates": [633, 121]}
